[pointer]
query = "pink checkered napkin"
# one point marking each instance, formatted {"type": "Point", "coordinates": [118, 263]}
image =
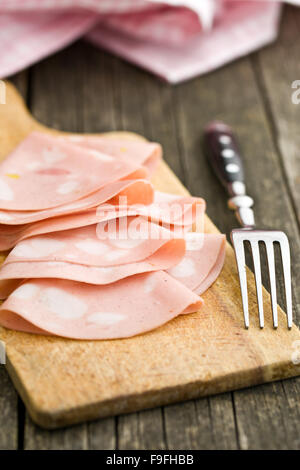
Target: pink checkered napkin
{"type": "Point", "coordinates": [243, 27]}
{"type": "Point", "coordinates": [32, 29]}
{"type": "Point", "coordinates": [26, 38]}
{"type": "Point", "coordinates": [175, 39]}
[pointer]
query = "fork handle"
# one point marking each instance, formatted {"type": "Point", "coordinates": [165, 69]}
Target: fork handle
{"type": "Point", "coordinates": [224, 157]}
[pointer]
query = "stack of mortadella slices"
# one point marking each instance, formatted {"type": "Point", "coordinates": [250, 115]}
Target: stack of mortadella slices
{"type": "Point", "coordinates": [96, 253]}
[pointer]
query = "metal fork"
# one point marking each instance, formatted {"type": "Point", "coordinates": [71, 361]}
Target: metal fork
{"type": "Point", "coordinates": [224, 156]}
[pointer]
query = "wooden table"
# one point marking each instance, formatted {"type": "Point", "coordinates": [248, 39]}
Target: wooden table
{"type": "Point", "coordinates": [87, 90]}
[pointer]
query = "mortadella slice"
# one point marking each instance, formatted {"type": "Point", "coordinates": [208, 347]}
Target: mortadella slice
{"type": "Point", "coordinates": [123, 309]}
{"type": "Point", "coordinates": [137, 152]}
{"type": "Point", "coordinates": [197, 267]}
{"type": "Point", "coordinates": [10, 235]}
{"type": "Point", "coordinates": [13, 273]}
{"type": "Point", "coordinates": [134, 241]}
{"type": "Point", "coordinates": [139, 190]}
{"type": "Point", "coordinates": [43, 173]}
{"type": "Point", "coordinates": [135, 191]}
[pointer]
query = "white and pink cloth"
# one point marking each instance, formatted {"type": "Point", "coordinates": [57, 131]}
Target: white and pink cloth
{"type": "Point", "coordinates": [175, 39]}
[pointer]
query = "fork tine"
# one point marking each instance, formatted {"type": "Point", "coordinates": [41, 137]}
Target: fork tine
{"type": "Point", "coordinates": [257, 273]}
{"type": "Point", "coordinates": [241, 265]}
{"type": "Point", "coordinates": [271, 265]}
{"type": "Point", "coordinates": [286, 264]}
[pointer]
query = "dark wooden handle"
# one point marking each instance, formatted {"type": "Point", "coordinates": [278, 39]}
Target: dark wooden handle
{"type": "Point", "coordinates": [223, 154]}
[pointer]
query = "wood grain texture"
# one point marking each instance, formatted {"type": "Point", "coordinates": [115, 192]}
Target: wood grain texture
{"type": "Point", "coordinates": [8, 413]}
{"type": "Point", "coordinates": [36, 438]}
{"type": "Point", "coordinates": [204, 424]}
{"type": "Point", "coordinates": [274, 414]}
{"type": "Point", "coordinates": [143, 430]}
{"type": "Point", "coordinates": [64, 381]}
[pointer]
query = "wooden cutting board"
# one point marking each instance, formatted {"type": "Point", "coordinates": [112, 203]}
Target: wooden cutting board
{"type": "Point", "coordinates": [64, 381]}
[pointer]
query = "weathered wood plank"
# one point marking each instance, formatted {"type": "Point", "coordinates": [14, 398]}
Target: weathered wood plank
{"type": "Point", "coordinates": [98, 107]}
{"type": "Point", "coordinates": [201, 424]}
{"type": "Point", "coordinates": [74, 438]}
{"type": "Point", "coordinates": [267, 418]}
{"type": "Point", "coordinates": [291, 411]}
{"type": "Point", "coordinates": [223, 426]}
{"type": "Point", "coordinates": [56, 93]}
{"type": "Point", "coordinates": [146, 106]}
{"type": "Point", "coordinates": [182, 426]}
{"type": "Point", "coordinates": [102, 434]}
{"type": "Point", "coordinates": [143, 430]}
{"type": "Point", "coordinates": [8, 413]}
{"type": "Point", "coordinates": [21, 82]}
